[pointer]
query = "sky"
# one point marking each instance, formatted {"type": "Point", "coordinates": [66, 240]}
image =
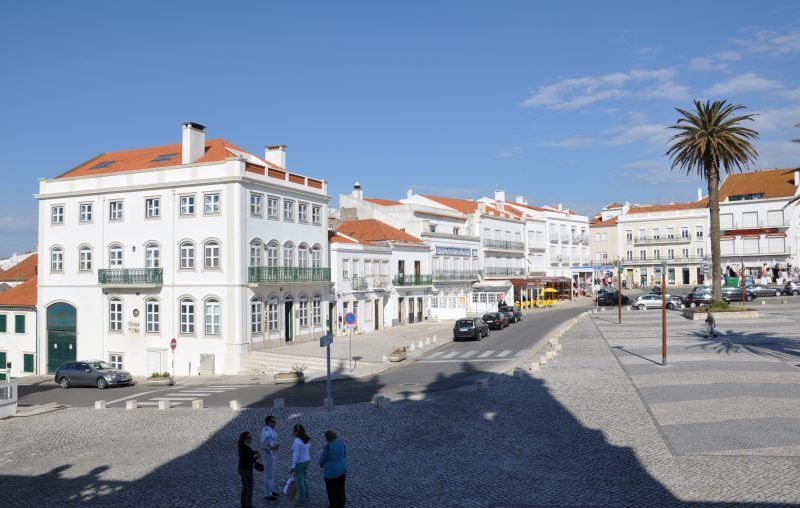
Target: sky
{"type": "Point", "coordinates": [559, 102]}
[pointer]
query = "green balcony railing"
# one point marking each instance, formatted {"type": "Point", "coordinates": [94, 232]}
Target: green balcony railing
{"type": "Point", "coordinates": [412, 280]}
{"type": "Point", "coordinates": [256, 274]}
{"type": "Point", "coordinates": [130, 276]}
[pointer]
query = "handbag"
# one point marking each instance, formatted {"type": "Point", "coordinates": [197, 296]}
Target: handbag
{"type": "Point", "coordinates": [290, 488]}
{"type": "Point", "coordinates": [258, 465]}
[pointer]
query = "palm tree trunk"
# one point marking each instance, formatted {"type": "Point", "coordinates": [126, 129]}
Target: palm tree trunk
{"type": "Point", "coordinates": [712, 175]}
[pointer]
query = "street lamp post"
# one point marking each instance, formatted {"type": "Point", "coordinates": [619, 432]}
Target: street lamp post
{"type": "Point", "coordinates": [664, 315]}
{"type": "Point", "coordinates": [743, 293]}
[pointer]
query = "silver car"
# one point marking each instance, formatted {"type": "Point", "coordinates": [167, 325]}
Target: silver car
{"type": "Point", "coordinates": [91, 373]}
{"type": "Point", "coordinates": [654, 302]}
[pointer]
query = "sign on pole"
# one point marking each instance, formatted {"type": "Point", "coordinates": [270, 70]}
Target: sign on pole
{"type": "Point", "coordinates": [173, 344]}
{"type": "Point", "coordinates": [326, 340]}
{"type": "Point", "coordinates": [350, 319]}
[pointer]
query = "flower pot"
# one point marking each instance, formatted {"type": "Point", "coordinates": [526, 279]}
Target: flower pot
{"type": "Point", "coordinates": [289, 377]}
{"type": "Point", "coordinates": [397, 357]}
{"type": "Point", "coordinates": [160, 381]}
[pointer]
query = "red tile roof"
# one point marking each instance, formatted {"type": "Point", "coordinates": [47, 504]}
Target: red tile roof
{"type": "Point", "coordinates": [23, 270]}
{"type": "Point", "coordinates": [373, 230]}
{"type": "Point", "coordinates": [773, 183]}
{"type": "Point", "coordinates": [336, 237]}
{"type": "Point", "coordinates": [22, 295]}
{"type": "Point", "coordinates": [383, 202]}
{"type": "Point", "coordinates": [613, 205]}
{"type": "Point", "coordinates": [703, 203]}
{"type": "Point", "coordinates": [462, 205]}
{"type": "Point", "coordinates": [603, 223]}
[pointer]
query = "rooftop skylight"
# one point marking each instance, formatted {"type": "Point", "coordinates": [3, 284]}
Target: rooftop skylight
{"type": "Point", "coordinates": [164, 157]}
{"type": "Point", "coordinates": [101, 165]}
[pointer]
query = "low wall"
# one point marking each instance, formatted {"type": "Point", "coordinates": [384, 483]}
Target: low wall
{"type": "Point", "coordinates": [720, 316]}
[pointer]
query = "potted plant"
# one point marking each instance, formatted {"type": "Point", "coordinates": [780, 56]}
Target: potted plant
{"type": "Point", "coordinates": [294, 376]}
{"type": "Point", "coordinates": [160, 379]}
{"type": "Point", "coordinates": [398, 355]}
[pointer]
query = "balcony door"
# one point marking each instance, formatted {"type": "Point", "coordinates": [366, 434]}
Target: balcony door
{"type": "Point", "coordinates": [288, 319]}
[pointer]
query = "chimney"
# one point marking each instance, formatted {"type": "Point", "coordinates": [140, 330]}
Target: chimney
{"type": "Point", "coordinates": [275, 154]}
{"type": "Point", "coordinates": [699, 193]}
{"type": "Point", "coordinates": [521, 200]}
{"type": "Point", "coordinates": [409, 193]}
{"type": "Point", "coordinates": [560, 206]}
{"type": "Point", "coordinates": [357, 192]}
{"type": "Point", "coordinates": [193, 142]}
{"type": "Point", "coordinates": [499, 196]}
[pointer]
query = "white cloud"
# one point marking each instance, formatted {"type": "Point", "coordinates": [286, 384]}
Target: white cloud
{"type": "Point", "coordinates": [570, 143]}
{"type": "Point", "coordinates": [792, 95]}
{"type": "Point", "coordinates": [774, 43]}
{"type": "Point", "coordinates": [717, 62]}
{"type": "Point", "coordinates": [648, 52]}
{"type": "Point", "coordinates": [514, 151]}
{"type": "Point", "coordinates": [654, 133]}
{"type": "Point", "coordinates": [748, 82]}
{"type": "Point", "coordinates": [778, 154]}
{"type": "Point", "coordinates": [574, 93]}
{"type": "Point", "coordinates": [729, 56]}
{"type": "Point", "coordinates": [778, 120]}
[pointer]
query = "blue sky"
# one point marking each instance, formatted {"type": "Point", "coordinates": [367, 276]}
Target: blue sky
{"type": "Point", "coordinates": [560, 102]}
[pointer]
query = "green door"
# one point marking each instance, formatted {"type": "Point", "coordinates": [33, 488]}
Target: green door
{"type": "Point", "coordinates": [2, 365]}
{"type": "Point", "coordinates": [61, 335]}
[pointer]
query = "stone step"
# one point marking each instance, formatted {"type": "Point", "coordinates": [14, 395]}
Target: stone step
{"type": "Point", "coordinates": [259, 362]}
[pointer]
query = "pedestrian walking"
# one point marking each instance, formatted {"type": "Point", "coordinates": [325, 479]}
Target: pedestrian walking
{"type": "Point", "coordinates": [247, 458]}
{"type": "Point", "coordinates": [269, 450]}
{"type": "Point", "coordinates": [301, 456]}
{"type": "Point", "coordinates": [334, 469]}
{"type": "Point", "coordinates": [711, 325]}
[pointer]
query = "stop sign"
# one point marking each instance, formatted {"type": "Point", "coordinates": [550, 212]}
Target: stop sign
{"type": "Point", "coordinates": [173, 344]}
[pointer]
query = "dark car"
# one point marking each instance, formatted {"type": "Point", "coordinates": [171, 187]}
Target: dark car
{"type": "Point", "coordinates": [517, 314]}
{"type": "Point", "coordinates": [762, 290]}
{"type": "Point", "coordinates": [495, 320]}
{"type": "Point", "coordinates": [91, 373]}
{"type": "Point", "coordinates": [792, 287]}
{"type": "Point", "coordinates": [697, 298]}
{"type": "Point", "coordinates": [470, 328]}
{"type": "Point", "coordinates": [734, 294]}
{"type": "Point", "coordinates": [610, 298]}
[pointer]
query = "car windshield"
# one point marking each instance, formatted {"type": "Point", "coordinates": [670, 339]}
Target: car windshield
{"type": "Point", "coordinates": [489, 317]}
{"type": "Point", "coordinates": [101, 366]}
{"type": "Point", "coordinates": [507, 309]}
{"type": "Point", "coordinates": [464, 322]}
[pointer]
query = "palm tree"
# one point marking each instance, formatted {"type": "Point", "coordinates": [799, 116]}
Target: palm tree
{"type": "Point", "coordinates": [709, 139]}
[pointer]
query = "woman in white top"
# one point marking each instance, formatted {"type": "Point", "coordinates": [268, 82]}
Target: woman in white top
{"type": "Point", "coordinates": [301, 456]}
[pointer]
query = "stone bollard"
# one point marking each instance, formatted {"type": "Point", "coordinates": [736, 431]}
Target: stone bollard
{"type": "Point", "coordinates": [99, 404]}
{"type": "Point", "coordinates": [385, 403]}
{"type": "Point", "coordinates": [197, 404]}
{"type": "Point", "coordinates": [518, 374]}
{"type": "Point", "coordinates": [235, 405]}
{"type": "Point", "coordinates": [549, 355]}
{"type": "Point", "coordinates": [411, 347]}
{"type": "Point", "coordinates": [535, 367]}
{"type": "Point", "coordinates": [482, 385]}
{"type": "Point", "coordinates": [557, 347]}
{"type": "Point", "coordinates": [131, 404]}
{"type": "Point", "coordinates": [763, 302]}
{"type": "Point", "coordinates": [543, 360]}
{"type": "Point", "coordinates": [427, 341]}
{"type": "Point", "coordinates": [163, 404]}
{"type": "Point", "coordinates": [419, 344]}
{"type": "Point", "coordinates": [376, 399]}
{"type": "Point", "coordinates": [279, 403]}
{"type": "Point", "coordinates": [384, 358]}
{"type": "Point", "coordinates": [783, 301]}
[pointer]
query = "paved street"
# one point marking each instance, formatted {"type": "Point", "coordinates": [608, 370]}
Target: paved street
{"type": "Point", "coordinates": [599, 426]}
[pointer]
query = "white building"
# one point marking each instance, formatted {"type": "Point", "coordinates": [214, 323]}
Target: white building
{"type": "Point", "coordinates": [760, 222]}
{"type": "Point", "coordinates": [200, 241]}
{"type": "Point", "coordinates": [18, 346]}
{"type": "Point", "coordinates": [381, 274]}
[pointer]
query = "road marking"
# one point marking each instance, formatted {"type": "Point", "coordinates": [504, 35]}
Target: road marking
{"type": "Point", "coordinates": [434, 355]}
{"type": "Point", "coordinates": [475, 360]}
{"type": "Point", "coordinates": [196, 394]}
{"type": "Point", "coordinates": [468, 354]}
{"type": "Point", "coordinates": [450, 355]}
{"type": "Point", "coordinates": [230, 387]}
{"type": "Point", "coordinates": [521, 353]}
{"type": "Point", "coordinates": [208, 391]}
{"type": "Point", "coordinates": [137, 395]}
{"type": "Point", "coordinates": [156, 403]}
{"type": "Point", "coordinates": [173, 398]}
{"type": "Point", "coordinates": [485, 354]}
{"type": "Point", "coordinates": [504, 353]}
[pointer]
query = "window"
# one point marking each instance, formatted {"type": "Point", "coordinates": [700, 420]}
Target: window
{"type": "Point", "coordinates": [115, 359]}
{"type": "Point", "coordinates": [85, 258]}
{"type": "Point", "coordinates": [670, 232]}
{"type": "Point", "coordinates": [187, 255]}
{"type": "Point", "coordinates": [288, 254]}
{"type": "Point", "coordinates": [699, 232]}
{"type": "Point", "coordinates": [86, 212]}
{"type": "Point", "coordinates": [316, 214]}
{"type": "Point", "coordinates": [272, 254]}
{"type": "Point", "coordinates": [699, 252]}
{"type": "Point", "coordinates": [212, 254]}
{"type": "Point", "coordinates": [152, 320]}
{"type": "Point", "coordinates": [302, 311]}
{"type": "Point", "coordinates": [115, 210]}
{"type": "Point", "coordinates": [656, 254]}
{"type": "Point", "coordinates": [316, 311]}
{"type": "Point", "coordinates": [288, 210]}
{"type": "Point", "coordinates": [255, 253]}
{"type": "Point", "coordinates": [272, 314]}
{"type": "Point", "coordinates": [272, 207]}
{"type": "Point", "coordinates": [115, 256]}
{"type": "Point", "coordinates": [643, 255]}
{"type": "Point", "coordinates": [152, 253]}
{"type": "Point", "coordinates": [152, 208]}
{"type": "Point", "coordinates": [684, 232]}
{"type": "Point", "coordinates": [115, 315]}
{"type": "Point", "coordinates": [3, 324]}
{"type": "Point", "coordinates": [27, 362]}
{"type": "Point", "coordinates": [212, 317]}
{"type": "Point", "coordinates": [642, 234]}
{"type": "Point", "coordinates": [302, 256]}
{"type": "Point", "coordinates": [656, 233]}
{"type": "Point", "coordinates": [256, 205]}
{"type": "Point", "coordinates": [56, 259]}
{"type": "Point", "coordinates": [164, 157]}
{"type": "Point", "coordinates": [57, 214]}
{"type": "Point", "coordinates": [302, 212]}
{"type": "Point", "coordinates": [316, 260]}
{"type": "Point", "coordinates": [19, 323]}
{"type": "Point", "coordinates": [187, 205]}
{"type": "Point", "coordinates": [211, 204]}
{"type": "Point", "coordinates": [256, 316]}
{"type": "Point", "coordinates": [101, 165]}
{"type": "Point", "coordinates": [671, 253]}
{"type": "Point", "coordinates": [187, 316]}
{"type": "Point", "coordinates": [456, 230]}
{"type": "Point", "coordinates": [345, 269]}
{"type": "Point", "coordinates": [629, 235]}
{"type": "Point", "coordinates": [685, 252]}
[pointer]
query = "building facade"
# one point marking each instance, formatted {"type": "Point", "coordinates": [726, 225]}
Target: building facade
{"type": "Point", "coordinates": [18, 346]}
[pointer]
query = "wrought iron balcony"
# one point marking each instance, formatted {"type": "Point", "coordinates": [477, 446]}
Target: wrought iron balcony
{"type": "Point", "coordinates": [359, 283]}
{"type": "Point", "coordinates": [755, 225]}
{"type": "Point", "coordinates": [503, 244]}
{"type": "Point", "coordinates": [677, 260]}
{"type": "Point", "coordinates": [445, 275]}
{"type": "Point", "coordinates": [662, 240]}
{"type": "Point", "coordinates": [412, 280]}
{"type": "Point", "coordinates": [130, 277]}
{"type": "Point", "coordinates": [503, 272]}
{"type": "Point", "coordinates": [259, 274]}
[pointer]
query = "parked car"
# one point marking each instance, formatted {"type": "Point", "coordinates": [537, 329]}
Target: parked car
{"type": "Point", "coordinates": [495, 320]}
{"type": "Point", "coordinates": [91, 373]}
{"type": "Point", "coordinates": [652, 301]}
{"type": "Point", "coordinates": [701, 289]}
{"type": "Point", "coordinates": [610, 298]}
{"type": "Point", "coordinates": [515, 311]}
{"type": "Point", "coordinates": [762, 290]}
{"type": "Point", "coordinates": [697, 298]}
{"type": "Point", "coordinates": [734, 294]}
{"type": "Point", "coordinates": [792, 287]}
{"type": "Point", "coordinates": [470, 328]}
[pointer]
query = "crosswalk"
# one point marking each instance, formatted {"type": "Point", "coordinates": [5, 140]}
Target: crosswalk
{"type": "Point", "coordinates": [188, 395]}
{"type": "Point", "coordinates": [474, 356]}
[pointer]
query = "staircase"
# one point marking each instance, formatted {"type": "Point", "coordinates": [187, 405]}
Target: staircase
{"type": "Point", "coordinates": [268, 363]}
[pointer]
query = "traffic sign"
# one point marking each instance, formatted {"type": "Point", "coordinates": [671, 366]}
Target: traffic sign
{"type": "Point", "coordinates": [502, 296]}
{"type": "Point", "coordinates": [326, 340]}
{"type": "Point", "coordinates": [173, 344]}
{"type": "Point", "coordinates": [350, 318]}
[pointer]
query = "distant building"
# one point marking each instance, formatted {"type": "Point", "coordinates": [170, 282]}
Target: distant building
{"type": "Point", "coordinates": [18, 345]}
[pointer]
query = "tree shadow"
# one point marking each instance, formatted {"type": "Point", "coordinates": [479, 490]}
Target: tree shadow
{"type": "Point", "coordinates": [764, 344]}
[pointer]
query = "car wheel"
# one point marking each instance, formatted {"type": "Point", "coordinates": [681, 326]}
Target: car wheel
{"type": "Point", "coordinates": [795, 292]}
{"type": "Point", "coordinates": [748, 298]}
{"type": "Point", "coordinates": [692, 305]}
{"type": "Point", "coordinates": [102, 383]}
{"type": "Point", "coordinates": [64, 382]}
{"type": "Point", "coordinates": [777, 293]}
{"type": "Point", "coordinates": [670, 306]}
{"type": "Point", "coordinates": [641, 306]}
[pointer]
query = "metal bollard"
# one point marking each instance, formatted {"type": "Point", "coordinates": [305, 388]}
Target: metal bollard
{"type": "Point", "coordinates": [518, 374]}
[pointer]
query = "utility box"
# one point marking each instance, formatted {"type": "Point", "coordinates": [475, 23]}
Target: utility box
{"type": "Point", "coordinates": [206, 367]}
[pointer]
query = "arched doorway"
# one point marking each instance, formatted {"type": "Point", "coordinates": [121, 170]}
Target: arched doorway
{"type": "Point", "coordinates": [61, 335]}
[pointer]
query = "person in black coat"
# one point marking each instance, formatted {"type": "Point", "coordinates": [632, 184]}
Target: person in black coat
{"type": "Point", "coordinates": [247, 458]}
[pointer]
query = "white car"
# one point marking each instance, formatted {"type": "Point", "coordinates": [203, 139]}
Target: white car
{"type": "Point", "coordinates": [654, 302]}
